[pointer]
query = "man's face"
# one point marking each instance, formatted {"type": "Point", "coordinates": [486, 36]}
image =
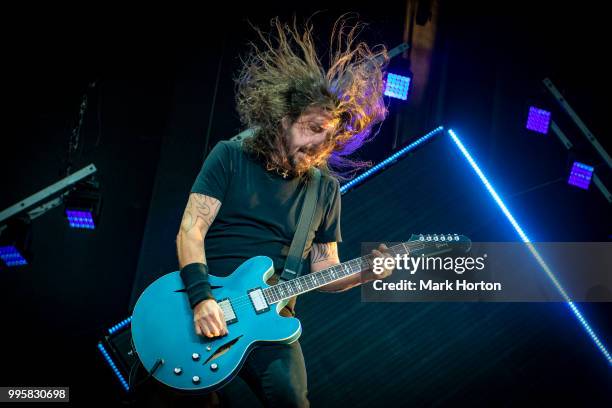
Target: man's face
{"type": "Point", "coordinates": [307, 137]}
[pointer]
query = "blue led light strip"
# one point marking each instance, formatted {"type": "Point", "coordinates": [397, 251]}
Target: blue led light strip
{"type": "Point", "coordinates": [111, 363]}
{"type": "Point", "coordinates": [120, 325]}
{"type": "Point", "coordinates": [389, 160]}
{"type": "Point", "coordinates": [530, 246]}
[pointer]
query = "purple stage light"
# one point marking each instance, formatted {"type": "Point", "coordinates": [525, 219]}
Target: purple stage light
{"type": "Point", "coordinates": [580, 175]}
{"type": "Point", "coordinates": [397, 86]}
{"type": "Point", "coordinates": [11, 256]}
{"type": "Point", "coordinates": [83, 204]}
{"type": "Point", "coordinates": [538, 120]}
{"type": "Point", "coordinates": [80, 219]}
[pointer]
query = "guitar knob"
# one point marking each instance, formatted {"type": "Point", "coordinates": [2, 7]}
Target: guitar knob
{"type": "Point", "coordinates": [178, 370]}
{"type": "Point", "coordinates": [214, 366]}
{"type": "Point", "coordinates": [195, 356]}
{"type": "Point", "coordinates": [195, 379]}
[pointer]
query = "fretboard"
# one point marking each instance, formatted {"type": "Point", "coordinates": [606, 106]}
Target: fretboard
{"type": "Point", "coordinates": [312, 281]}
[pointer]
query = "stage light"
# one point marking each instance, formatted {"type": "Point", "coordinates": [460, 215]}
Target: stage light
{"type": "Point", "coordinates": [15, 242]}
{"type": "Point", "coordinates": [120, 325]}
{"type": "Point", "coordinates": [398, 86]}
{"type": "Point", "coordinates": [585, 324]}
{"type": "Point", "coordinates": [538, 120]}
{"type": "Point", "coordinates": [580, 175]}
{"type": "Point", "coordinates": [113, 366]}
{"type": "Point", "coordinates": [391, 159]}
{"type": "Point", "coordinates": [82, 205]}
{"type": "Point", "coordinates": [80, 219]}
{"type": "Point", "coordinates": [11, 256]}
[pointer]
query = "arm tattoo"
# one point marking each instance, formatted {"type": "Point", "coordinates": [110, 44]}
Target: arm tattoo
{"type": "Point", "coordinates": [323, 252]}
{"type": "Point", "coordinates": [200, 208]}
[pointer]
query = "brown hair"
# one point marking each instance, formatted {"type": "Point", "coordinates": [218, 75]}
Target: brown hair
{"type": "Point", "coordinates": [285, 78]}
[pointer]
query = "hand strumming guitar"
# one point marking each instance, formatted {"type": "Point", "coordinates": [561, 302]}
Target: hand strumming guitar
{"type": "Point", "coordinates": [208, 319]}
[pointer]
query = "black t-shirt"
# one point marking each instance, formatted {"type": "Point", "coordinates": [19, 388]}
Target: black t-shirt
{"type": "Point", "coordinates": [259, 210]}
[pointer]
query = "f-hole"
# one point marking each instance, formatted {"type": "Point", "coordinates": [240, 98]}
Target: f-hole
{"type": "Point", "coordinates": [222, 349]}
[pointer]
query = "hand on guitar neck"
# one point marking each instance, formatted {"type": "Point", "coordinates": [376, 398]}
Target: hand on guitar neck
{"type": "Point", "coordinates": [369, 275]}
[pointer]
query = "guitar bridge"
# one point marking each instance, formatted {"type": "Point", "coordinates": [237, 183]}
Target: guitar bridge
{"type": "Point", "coordinates": [258, 300]}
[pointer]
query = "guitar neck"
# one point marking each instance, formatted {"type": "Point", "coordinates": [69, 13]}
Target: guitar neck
{"type": "Point", "coordinates": [312, 281]}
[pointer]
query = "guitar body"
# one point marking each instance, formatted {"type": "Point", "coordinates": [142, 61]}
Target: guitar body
{"type": "Point", "coordinates": [165, 340]}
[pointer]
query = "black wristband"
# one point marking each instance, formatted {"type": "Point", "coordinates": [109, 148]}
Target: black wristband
{"type": "Point", "coordinates": [195, 279]}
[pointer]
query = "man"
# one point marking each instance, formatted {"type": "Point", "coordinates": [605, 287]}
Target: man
{"type": "Point", "coordinates": [248, 195]}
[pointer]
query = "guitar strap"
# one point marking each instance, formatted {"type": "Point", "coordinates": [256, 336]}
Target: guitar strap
{"type": "Point", "coordinates": [293, 264]}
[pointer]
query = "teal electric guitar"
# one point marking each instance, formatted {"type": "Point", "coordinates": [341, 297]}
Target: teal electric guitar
{"type": "Point", "coordinates": [162, 323]}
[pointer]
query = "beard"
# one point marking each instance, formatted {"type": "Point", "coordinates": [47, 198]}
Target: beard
{"type": "Point", "coordinates": [301, 162]}
{"type": "Point", "coordinates": [297, 163]}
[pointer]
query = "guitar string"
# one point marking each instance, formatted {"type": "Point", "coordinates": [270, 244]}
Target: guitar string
{"type": "Point", "coordinates": [273, 290]}
{"type": "Point", "coordinates": [243, 301]}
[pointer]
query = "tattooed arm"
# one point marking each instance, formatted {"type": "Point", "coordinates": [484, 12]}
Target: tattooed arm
{"type": "Point", "coordinates": [199, 214]}
{"type": "Point", "coordinates": [325, 255]}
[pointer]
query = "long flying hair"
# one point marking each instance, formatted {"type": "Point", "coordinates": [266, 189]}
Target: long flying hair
{"type": "Point", "coordinates": [284, 77]}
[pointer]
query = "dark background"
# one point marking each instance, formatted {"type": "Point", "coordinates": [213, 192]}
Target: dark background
{"type": "Point", "coordinates": [152, 117]}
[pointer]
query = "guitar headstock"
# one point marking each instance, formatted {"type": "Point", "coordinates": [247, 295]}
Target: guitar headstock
{"type": "Point", "coordinates": [458, 242]}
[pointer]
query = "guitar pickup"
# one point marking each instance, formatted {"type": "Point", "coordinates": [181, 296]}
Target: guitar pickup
{"type": "Point", "coordinates": [228, 310]}
{"type": "Point", "coordinates": [258, 300]}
